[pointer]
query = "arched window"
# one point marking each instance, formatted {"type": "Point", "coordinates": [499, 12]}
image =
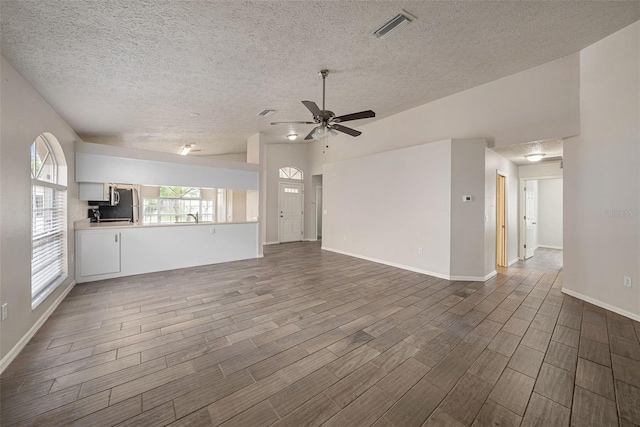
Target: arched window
{"type": "Point", "coordinates": [290, 172]}
{"type": "Point", "coordinates": [48, 217]}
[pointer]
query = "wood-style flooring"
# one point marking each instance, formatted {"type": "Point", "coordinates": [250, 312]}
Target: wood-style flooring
{"type": "Point", "coordinates": [304, 337]}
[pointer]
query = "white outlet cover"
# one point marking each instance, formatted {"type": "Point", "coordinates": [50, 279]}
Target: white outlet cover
{"type": "Point", "coordinates": [627, 281]}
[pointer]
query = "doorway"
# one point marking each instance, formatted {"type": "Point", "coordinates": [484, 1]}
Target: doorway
{"type": "Point", "coordinates": [501, 219]}
{"type": "Point", "coordinates": [542, 215]}
{"type": "Point", "coordinates": [290, 203]}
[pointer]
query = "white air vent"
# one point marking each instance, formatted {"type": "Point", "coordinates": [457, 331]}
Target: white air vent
{"type": "Point", "coordinates": [266, 113]}
{"type": "Point", "coordinates": [402, 19]}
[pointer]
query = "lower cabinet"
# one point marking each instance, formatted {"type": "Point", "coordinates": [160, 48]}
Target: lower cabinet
{"type": "Point", "coordinates": [99, 252]}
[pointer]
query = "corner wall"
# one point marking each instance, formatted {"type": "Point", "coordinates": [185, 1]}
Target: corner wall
{"type": "Point", "coordinates": [24, 116]}
{"type": "Point", "coordinates": [602, 177]}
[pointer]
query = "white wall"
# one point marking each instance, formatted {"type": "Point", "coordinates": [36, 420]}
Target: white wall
{"type": "Point", "coordinates": [467, 218]}
{"type": "Point", "coordinates": [541, 170]}
{"type": "Point", "coordinates": [602, 177]}
{"type": "Point", "coordinates": [385, 206]}
{"type": "Point", "coordinates": [276, 157]}
{"type": "Point", "coordinates": [494, 163]}
{"type": "Point", "coordinates": [550, 213]}
{"type": "Point", "coordinates": [25, 115]}
{"type": "Point", "coordinates": [538, 103]}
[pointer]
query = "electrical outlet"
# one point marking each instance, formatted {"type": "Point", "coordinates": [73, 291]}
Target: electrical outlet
{"type": "Point", "coordinates": [4, 310]}
{"type": "Point", "coordinates": [419, 251]}
{"type": "Point", "coordinates": [627, 281]}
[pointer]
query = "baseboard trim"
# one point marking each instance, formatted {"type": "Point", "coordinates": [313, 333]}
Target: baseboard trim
{"type": "Point", "coordinates": [513, 261]}
{"type": "Point", "coordinates": [408, 267]}
{"type": "Point", "coordinates": [550, 247]}
{"type": "Point", "coordinates": [8, 358]}
{"type": "Point", "coordinates": [271, 243]}
{"type": "Point", "coordinates": [309, 240]}
{"type": "Point", "coordinates": [601, 304]}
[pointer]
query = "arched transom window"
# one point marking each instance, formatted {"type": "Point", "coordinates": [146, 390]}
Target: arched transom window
{"type": "Point", "coordinates": [290, 172]}
{"type": "Point", "coordinates": [48, 217]}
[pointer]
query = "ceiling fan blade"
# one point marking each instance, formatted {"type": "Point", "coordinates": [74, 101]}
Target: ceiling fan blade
{"type": "Point", "coordinates": [302, 123]}
{"type": "Point", "coordinates": [308, 137]}
{"type": "Point", "coordinates": [346, 130]}
{"type": "Point", "coordinates": [355, 116]}
{"type": "Point", "coordinates": [313, 107]}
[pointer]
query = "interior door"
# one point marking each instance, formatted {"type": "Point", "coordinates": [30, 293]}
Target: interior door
{"type": "Point", "coordinates": [291, 212]}
{"type": "Point", "coordinates": [530, 218]}
{"type": "Point", "coordinates": [501, 226]}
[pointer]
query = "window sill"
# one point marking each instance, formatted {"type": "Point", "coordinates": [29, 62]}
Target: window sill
{"type": "Point", "coordinates": [39, 299]}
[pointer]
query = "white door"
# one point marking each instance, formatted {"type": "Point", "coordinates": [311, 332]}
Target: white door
{"type": "Point", "coordinates": [291, 212]}
{"type": "Point", "coordinates": [530, 218]}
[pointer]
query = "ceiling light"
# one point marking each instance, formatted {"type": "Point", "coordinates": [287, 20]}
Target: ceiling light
{"type": "Point", "coordinates": [185, 150]}
{"type": "Point", "coordinates": [333, 133]}
{"type": "Point", "coordinates": [534, 157]}
{"type": "Point", "coordinates": [266, 113]}
{"type": "Point", "coordinates": [292, 137]}
{"type": "Point", "coordinates": [402, 19]}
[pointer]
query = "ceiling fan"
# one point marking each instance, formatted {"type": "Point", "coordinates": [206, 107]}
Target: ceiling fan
{"type": "Point", "coordinates": [326, 120]}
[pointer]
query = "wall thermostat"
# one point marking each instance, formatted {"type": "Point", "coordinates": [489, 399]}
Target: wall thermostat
{"type": "Point", "coordinates": [467, 198]}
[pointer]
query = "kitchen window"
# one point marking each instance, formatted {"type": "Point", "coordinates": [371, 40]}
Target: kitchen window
{"type": "Point", "coordinates": [48, 217]}
{"type": "Point", "coordinates": [182, 204]}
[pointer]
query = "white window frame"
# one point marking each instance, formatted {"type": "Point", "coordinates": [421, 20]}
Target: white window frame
{"type": "Point", "coordinates": [217, 216]}
{"type": "Point", "coordinates": [291, 172]}
{"type": "Point", "coordinates": [48, 223]}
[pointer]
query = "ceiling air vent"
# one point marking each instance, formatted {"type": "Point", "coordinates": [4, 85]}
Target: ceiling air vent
{"type": "Point", "coordinates": [266, 113]}
{"type": "Point", "coordinates": [402, 19]}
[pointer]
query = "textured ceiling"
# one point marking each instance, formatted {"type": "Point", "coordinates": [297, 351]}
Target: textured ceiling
{"type": "Point", "coordinates": [552, 148]}
{"type": "Point", "coordinates": [158, 74]}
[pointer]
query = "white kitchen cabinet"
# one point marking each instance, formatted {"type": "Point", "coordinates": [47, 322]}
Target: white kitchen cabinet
{"type": "Point", "coordinates": [99, 252]}
{"type": "Point", "coordinates": [145, 249]}
{"type": "Point", "coordinates": [93, 191]}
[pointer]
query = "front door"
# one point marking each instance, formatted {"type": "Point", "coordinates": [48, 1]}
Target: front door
{"type": "Point", "coordinates": [291, 212]}
{"type": "Point", "coordinates": [530, 218]}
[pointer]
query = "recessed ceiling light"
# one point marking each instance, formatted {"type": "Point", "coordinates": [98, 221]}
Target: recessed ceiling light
{"type": "Point", "coordinates": [292, 137]}
{"type": "Point", "coordinates": [534, 157]}
{"type": "Point", "coordinates": [266, 113]}
{"type": "Point", "coordinates": [185, 150]}
{"type": "Point", "coordinates": [402, 19]}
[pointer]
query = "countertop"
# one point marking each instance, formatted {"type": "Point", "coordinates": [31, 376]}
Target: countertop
{"type": "Point", "coordinates": [85, 224]}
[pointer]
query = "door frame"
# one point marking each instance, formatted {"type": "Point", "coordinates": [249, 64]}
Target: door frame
{"type": "Point", "coordinates": [505, 208]}
{"type": "Point", "coordinates": [318, 219]}
{"type": "Point", "coordinates": [280, 184]}
{"type": "Point", "coordinates": [522, 226]}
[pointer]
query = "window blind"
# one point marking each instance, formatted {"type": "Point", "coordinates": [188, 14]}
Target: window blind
{"type": "Point", "coordinates": [48, 210]}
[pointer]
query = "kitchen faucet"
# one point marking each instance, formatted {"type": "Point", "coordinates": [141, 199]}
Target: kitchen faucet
{"type": "Point", "coordinates": [193, 216]}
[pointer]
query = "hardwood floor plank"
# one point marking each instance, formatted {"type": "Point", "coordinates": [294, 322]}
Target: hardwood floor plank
{"type": "Point", "coordinates": [159, 416]}
{"type": "Point", "coordinates": [299, 392]}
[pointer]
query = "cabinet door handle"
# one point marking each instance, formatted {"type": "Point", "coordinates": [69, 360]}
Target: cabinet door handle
{"type": "Point", "coordinates": [116, 238]}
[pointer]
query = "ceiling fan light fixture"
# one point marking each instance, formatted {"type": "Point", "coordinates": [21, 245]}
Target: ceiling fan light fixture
{"type": "Point", "coordinates": [319, 133]}
{"type": "Point", "coordinates": [185, 150]}
{"type": "Point", "coordinates": [333, 133]}
{"type": "Point", "coordinates": [292, 136]}
{"type": "Point", "coordinates": [534, 157]}
{"type": "Point", "coordinates": [402, 19]}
